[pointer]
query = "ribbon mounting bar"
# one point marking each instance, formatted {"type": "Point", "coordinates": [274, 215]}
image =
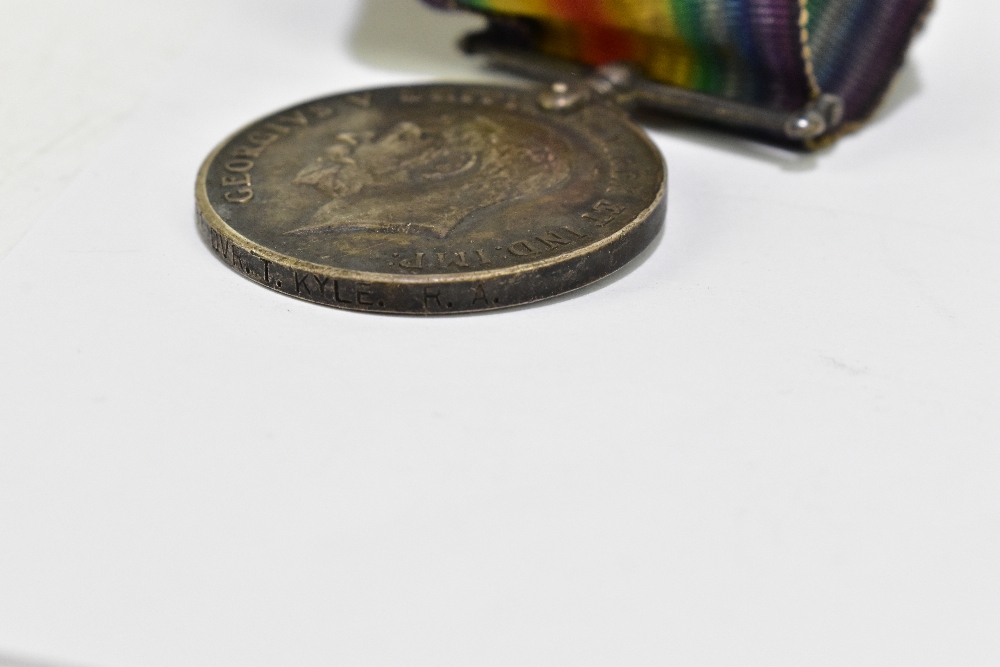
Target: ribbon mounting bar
{"type": "Point", "coordinates": [572, 84]}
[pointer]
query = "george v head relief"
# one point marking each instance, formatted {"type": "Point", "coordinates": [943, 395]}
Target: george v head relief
{"type": "Point", "coordinates": [427, 178]}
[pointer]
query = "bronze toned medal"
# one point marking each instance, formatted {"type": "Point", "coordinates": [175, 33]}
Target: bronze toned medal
{"type": "Point", "coordinates": [432, 199]}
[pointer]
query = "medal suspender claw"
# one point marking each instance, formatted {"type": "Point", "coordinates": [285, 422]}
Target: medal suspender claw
{"type": "Point", "coordinates": [450, 198]}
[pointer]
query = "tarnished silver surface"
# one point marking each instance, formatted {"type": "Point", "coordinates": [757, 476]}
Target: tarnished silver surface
{"type": "Point", "coordinates": [432, 199]}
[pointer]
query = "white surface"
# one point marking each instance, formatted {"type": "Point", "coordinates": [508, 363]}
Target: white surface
{"type": "Point", "coordinates": [70, 72]}
{"type": "Point", "coordinates": [774, 441]}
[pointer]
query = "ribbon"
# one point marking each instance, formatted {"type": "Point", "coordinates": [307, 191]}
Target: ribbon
{"type": "Point", "coordinates": [778, 54]}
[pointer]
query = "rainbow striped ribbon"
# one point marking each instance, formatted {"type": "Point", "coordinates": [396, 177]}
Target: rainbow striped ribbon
{"type": "Point", "coordinates": [778, 54]}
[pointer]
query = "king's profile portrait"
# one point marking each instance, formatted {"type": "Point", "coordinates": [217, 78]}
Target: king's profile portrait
{"type": "Point", "coordinates": [427, 178]}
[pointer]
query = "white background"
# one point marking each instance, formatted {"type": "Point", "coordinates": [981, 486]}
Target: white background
{"type": "Point", "coordinates": [775, 440]}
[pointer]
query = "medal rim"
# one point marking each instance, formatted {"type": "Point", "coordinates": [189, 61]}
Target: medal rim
{"type": "Point", "coordinates": [206, 214]}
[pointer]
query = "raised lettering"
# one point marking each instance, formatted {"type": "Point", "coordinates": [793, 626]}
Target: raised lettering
{"type": "Point", "coordinates": [263, 138]}
{"type": "Point", "coordinates": [551, 240]}
{"type": "Point", "coordinates": [241, 179]}
{"type": "Point", "coordinates": [247, 151]}
{"type": "Point", "coordinates": [321, 111]}
{"type": "Point", "coordinates": [416, 263]}
{"type": "Point", "coordinates": [446, 96]}
{"type": "Point", "coordinates": [573, 232]}
{"type": "Point", "coordinates": [522, 249]}
{"type": "Point", "coordinates": [240, 196]}
{"type": "Point", "coordinates": [603, 212]}
{"type": "Point", "coordinates": [238, 166]}
{"type": "Point", "coordinates": [363, 100]}
{"type": "Point", "coordinates": [459, 260]}
{"type": "Point", "coordinates": [276, 127]}
{"type": "Point", "coordinates": [295, 117]}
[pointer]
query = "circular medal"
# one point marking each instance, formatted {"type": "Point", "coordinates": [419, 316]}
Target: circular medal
{"type": "Point", "coordinates": [432, 199]}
